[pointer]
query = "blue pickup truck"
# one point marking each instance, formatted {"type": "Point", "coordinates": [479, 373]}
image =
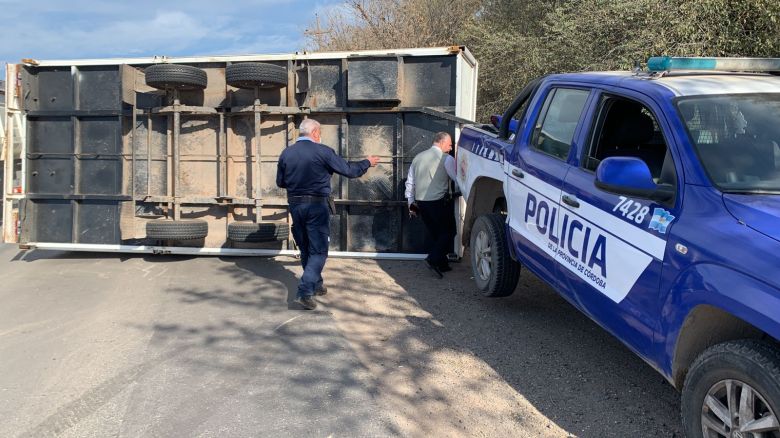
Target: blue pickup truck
{"type": "Point", "coordinates": [650, 200]}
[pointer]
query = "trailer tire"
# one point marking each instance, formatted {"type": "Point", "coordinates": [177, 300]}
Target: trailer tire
{"type": "Point", "coordinates": [176, 230]}
{"type": "Point", "coordinates": [495, 273]}
{"type": "Point", "coordinates": [256, 75]}
{"type": "Point", "coordinates": [170, 76]}
{"type": "Point", "coordinates": [258, 232]}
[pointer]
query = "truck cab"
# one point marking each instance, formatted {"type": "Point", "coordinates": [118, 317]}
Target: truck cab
{"type": "Point", "coordinates": [650, 201]}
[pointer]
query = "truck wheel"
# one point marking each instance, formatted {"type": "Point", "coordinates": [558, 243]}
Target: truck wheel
{"type": "Point", "coordinates": [169, 76]}
{"type": "Point", "coordinates": [260, 232]}
{"type": "Point", "coordinates": [256, 74]}
{"type": "Point", "coordinates": [495, 272]}
{"type": "Point", "coordinates": [733, 390]}
{"type": "Point", "coordinates": [176, 230]}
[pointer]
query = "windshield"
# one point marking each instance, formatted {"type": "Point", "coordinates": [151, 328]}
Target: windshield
{"type": "Point", "coordinates": [737, 138]}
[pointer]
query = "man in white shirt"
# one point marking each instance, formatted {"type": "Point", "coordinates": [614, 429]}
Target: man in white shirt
{"type": "Point", "coordinates": [428, 194]}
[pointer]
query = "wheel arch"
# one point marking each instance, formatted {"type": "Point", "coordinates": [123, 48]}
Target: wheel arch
{"type": "Point", "coordinates": [704, 327]}
{"type": "Point", "coordinates": [709, 304]}
{"type": "Point", "coordinates": [485, 195]}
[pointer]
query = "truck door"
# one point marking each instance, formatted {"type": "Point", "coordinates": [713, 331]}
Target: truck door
{"type": "Point", "coordinates": [535, 172]}
{"type": "Point", "coordinates": [615, 244]}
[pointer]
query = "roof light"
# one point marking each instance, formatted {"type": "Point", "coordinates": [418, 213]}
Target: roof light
{"type": "Point", "coordinates": [668, 63]}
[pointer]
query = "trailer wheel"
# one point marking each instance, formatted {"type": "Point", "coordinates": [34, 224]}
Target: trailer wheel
{"type": "Point", "coordinates": [733, 389]}
{"type": "Point", "coordinates": [495, 272]}
{"type": "Point", "coordinates": [175, 76]}
{"type": "Point", "coordinates": [258, 232]}
{"type": "Point", "coordinates": [176, 230]}
{"type": "Point", "coordinates": [256, 74]}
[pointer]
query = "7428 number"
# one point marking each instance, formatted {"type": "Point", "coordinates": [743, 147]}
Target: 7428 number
{"type": "Point", "coordinates": [631, 209]}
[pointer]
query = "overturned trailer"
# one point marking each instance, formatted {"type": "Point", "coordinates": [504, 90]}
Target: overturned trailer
{"type": "Point", "coordinates": [178, 155]}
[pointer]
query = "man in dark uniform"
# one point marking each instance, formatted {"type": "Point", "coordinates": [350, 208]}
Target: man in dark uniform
{"type": "Point", "coordinates": [305, 169]}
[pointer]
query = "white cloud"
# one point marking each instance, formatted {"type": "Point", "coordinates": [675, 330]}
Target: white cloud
{"type": "Point", "coordinates": [52, 29]}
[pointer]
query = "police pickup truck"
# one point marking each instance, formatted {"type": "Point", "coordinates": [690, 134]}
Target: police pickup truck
{"type": "Point", "coordinates": [650, 200]}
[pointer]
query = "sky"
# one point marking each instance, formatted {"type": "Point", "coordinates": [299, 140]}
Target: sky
{"type": "Point", "coordinates": [73, 29]}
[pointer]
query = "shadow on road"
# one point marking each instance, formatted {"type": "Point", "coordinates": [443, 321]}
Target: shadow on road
{"type": "Point", "coordinates": [225, 354]}
{"type": "Point", "coordinates": [573, 372]}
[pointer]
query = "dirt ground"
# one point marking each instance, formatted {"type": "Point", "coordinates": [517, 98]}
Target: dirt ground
{"type": "Point", "coordinates": [447, 361]}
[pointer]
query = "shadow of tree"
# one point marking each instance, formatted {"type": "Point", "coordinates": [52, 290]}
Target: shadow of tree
{"type": "Point", "coordinates": [554, 358]}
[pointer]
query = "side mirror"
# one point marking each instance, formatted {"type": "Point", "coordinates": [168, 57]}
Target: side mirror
{"type": "Point", "coordinates": [631, 176]}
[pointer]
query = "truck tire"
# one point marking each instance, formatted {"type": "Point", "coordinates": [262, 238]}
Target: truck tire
{"type": "Point", "coordinates": [176, 230]}
{"type": "Point", "coordinates": [256, 74]}
{"type": "Point", "coordinates": [495, 272]}
{"type": "Point", "coordinates": [748, 369]}
{"type": "Point", "coordinates": [260, 232]}
{"type": "Point", "coordinates": [181, 77]}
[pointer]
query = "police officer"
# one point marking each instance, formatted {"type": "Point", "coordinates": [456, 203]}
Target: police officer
{"type": "Point", "coordinates": [305, 169]}
{"type": "Point", "coordinates": [427, 193]}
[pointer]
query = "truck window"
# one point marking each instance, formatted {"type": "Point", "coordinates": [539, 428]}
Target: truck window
{"type": "Point", "coordinates": [555, 126]}
{"type": "Point", "coordinates": [626, 128]}
{"type": "Point", "coordinates": [737, 138]}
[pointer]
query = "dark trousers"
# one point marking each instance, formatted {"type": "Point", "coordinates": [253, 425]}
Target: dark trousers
{"type": "Point", "coordinates": [311, 231]}
{"type": "Point", "coordinates": [439, 219]}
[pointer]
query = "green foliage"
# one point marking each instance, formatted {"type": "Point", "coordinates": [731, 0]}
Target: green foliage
{"type": "Point", "coordinates": [518, 40]}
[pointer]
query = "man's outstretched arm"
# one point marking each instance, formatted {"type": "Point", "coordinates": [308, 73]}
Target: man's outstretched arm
{"type": "Point", "coordinates": [350, 169]}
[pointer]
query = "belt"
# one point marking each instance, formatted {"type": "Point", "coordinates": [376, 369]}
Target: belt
{"type": "Point", "coordinates": [305, 199]}
{"type": "Point", "coordinates": [434, 200]}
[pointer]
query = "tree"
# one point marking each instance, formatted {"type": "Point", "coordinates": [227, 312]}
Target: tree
{"type": "Point", "coordinates": [393, 24]}
{"type": "Point", "coordinates": [518, 40]}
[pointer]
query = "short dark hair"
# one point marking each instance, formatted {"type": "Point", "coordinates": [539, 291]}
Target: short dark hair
{"type": "Point", "coordinates": [440, 136]}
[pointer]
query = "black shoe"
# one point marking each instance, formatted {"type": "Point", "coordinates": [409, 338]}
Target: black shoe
{"type": "Point", "coordinates": [322, 290]}
{"type": "Point", "coordinates": [434, 269]}
{"type": "Point", "coordinates": [445, 268]}
{"type": "Point", "coordinates": [308, 303]}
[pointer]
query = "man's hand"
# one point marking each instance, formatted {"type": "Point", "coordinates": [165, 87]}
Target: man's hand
{"type": "Point", "coordinates": [373, 160]}
{"type": "Point", "coordinates": [413, 209]}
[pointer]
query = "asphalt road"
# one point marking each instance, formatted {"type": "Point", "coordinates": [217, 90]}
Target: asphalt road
{"type": "Point", "coordinates": [111, 346]}
{"type": "Point", "coordinates": [96, 345]}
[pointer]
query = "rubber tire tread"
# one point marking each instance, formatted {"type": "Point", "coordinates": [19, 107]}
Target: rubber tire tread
{"type": "Point", "coordinates": [165, 76]}
{"type": "Point", "coordinates": [761, 361]}
{"type": "Point", "coordinates": [258, 232]}
{"type": "Point", "coordinates": [176, 230]}
{"type": "Point", "coordinates": [506, 272]}
{"type": "Point", "coordinates": [256, 74]}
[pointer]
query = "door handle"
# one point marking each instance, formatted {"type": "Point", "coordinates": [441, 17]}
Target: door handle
{"type": "Point", "coordinates": [568, 200]}
{"type": "Point", "coordinates": [518, 173]}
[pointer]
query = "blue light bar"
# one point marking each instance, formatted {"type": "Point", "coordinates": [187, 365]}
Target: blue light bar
{"type": "Point", "coordinates": [669, 63]}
